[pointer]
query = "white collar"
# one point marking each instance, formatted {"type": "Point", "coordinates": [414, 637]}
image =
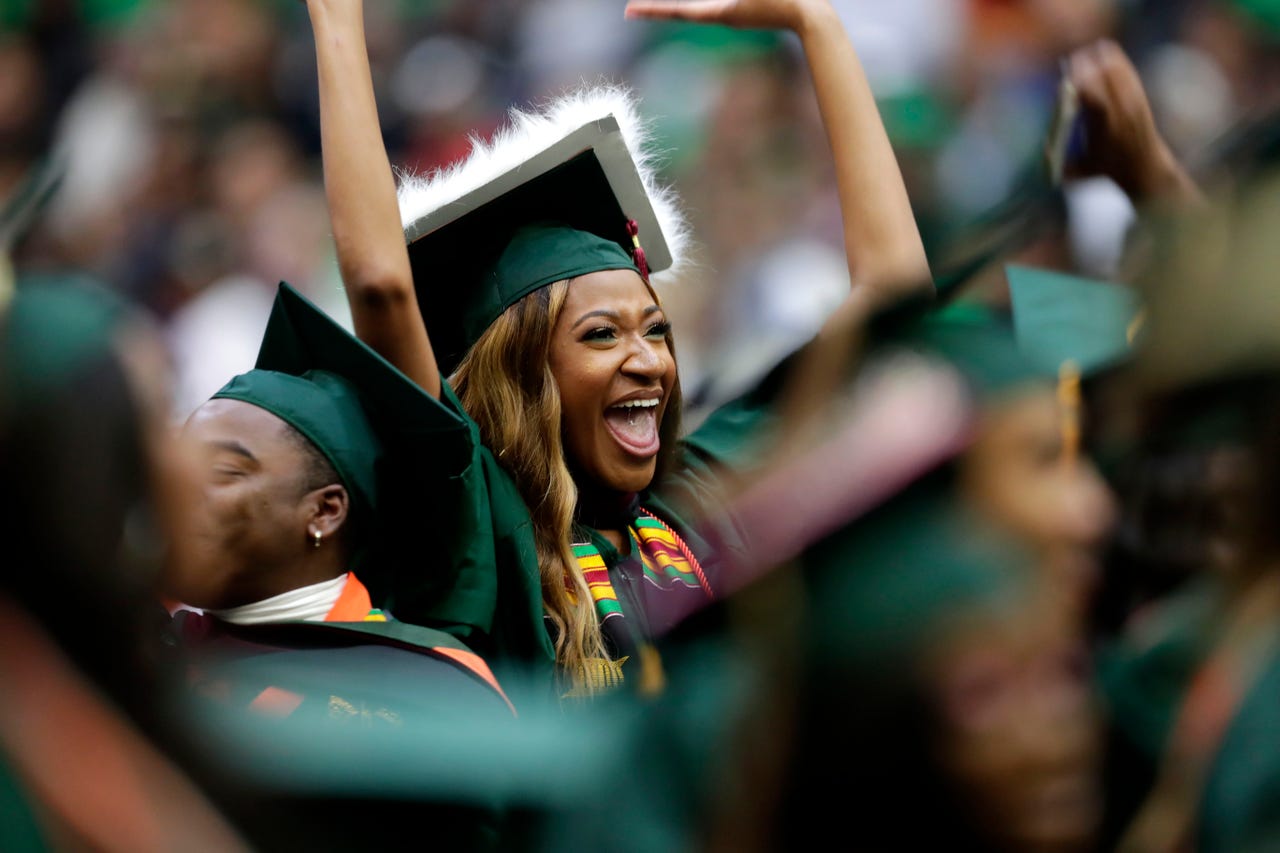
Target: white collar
{"type": "Point", "coordinates": [305, 604]}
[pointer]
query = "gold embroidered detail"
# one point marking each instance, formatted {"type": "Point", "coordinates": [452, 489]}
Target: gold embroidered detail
{"type": "Point", "coordinates": [597, 675]}
{"type": "Point", "coordinates": [653, 679]}
{"type": "Point", "coordinates": [341, 709]}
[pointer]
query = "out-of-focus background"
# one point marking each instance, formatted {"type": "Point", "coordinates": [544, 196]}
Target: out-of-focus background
{"type": "Point", "coordinates": [190, 132]}
{"type": "Point", "coordinates": [896, 674]}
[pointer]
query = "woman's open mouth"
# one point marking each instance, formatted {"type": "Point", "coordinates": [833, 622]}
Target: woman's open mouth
{"type": "Point", "coordinates": [634, 425]}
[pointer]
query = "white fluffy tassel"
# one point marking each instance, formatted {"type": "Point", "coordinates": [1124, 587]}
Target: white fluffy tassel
{"type": "Point", "coordinates": [527, 133]}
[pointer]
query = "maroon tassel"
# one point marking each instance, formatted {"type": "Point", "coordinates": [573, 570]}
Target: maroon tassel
{"type": "Point", "coordinates": [638, 253]}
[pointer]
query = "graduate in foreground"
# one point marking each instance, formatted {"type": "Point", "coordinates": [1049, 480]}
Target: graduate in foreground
{"type": "Point", "coordinates": [524, 302]}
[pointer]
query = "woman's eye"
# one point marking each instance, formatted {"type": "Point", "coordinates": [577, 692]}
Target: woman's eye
{"type": "Point", "coordinates": [658, 330]}
{"type": "Point", "coordinates": [602, 333]}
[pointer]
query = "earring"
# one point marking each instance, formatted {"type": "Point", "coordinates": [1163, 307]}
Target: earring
{"type": "Point", "coordinates": [316, 535]}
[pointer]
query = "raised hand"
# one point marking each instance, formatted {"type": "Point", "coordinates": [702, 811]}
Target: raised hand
{"type": "Point", "coordinates": [744, 14]}
{"type": "Point", "coordinates": [361, 191]}
{"type": "Point", "coordinates": [882, 242]}
{"type": "Point", "coordinates": [1122, 140]}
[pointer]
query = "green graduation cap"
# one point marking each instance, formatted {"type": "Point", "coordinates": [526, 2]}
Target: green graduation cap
{"type": "Point", "coordinates": [326, 409]}
{"type": "Point", "coordinates": [556, 194]}
{"type": "Point", "coordinates": [362, 413]}
{"type": "Point", "coordinates": [974, 338]}
{"type": "Point", "coordinates": [301, 337]}
{"type": "Point", "coordinates": [1056, 320]}
{"type": "Point", "coordinates": [885, 584]}
{"type": "Point", "coordinates": [434, 560]}
{"type": "Point", "coordinates": [1060, 318]}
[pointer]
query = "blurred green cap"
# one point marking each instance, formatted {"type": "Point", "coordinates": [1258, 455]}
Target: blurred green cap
{"type": "Point", "coordinates": [972, 337]}
{"type": "Point", "coordinates": [884, 585]}
{"type": "Point", "coordinates": [56, 323]}
{"type": "Point", "coordinates": [1060, 318]}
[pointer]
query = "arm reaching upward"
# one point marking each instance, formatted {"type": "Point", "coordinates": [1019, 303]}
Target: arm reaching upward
{"type": "Point", "coordinates": [361, 191]}
{"type": "Point", "coordinates": [882, 241]}
{"type": "Point", "coordinates": [1123, 141]}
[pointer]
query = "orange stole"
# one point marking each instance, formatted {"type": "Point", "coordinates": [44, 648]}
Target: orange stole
{"type": "Point", "coordinates": [354, 604]}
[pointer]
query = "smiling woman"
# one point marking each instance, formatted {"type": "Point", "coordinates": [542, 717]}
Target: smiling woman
{"type": "Point", "coordinates": [615, 372]}
{"type": "Point", "coordinates": [524, 303]}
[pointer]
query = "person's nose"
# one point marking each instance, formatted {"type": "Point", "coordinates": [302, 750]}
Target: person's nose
{"type": "Point", "coordinates": [646, 360]}
{"type": "Point", "coordinates": [1090, 511]}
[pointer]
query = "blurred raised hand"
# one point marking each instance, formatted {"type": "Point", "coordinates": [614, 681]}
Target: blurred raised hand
{"type": "Point", "coordinates": [882, 243]}
{"type": "Point", "coordinates": [1122, 140]}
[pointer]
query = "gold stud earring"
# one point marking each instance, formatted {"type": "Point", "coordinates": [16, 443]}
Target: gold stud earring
{"type": "Point", "coordinates": [316, 536]}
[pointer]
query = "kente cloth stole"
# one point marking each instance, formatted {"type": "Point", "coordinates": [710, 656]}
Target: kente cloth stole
{"type": "Point", "coordinates": [596, 574]}
{"type": "Point", "coordinates": [667, 562]}
{"type": "Point", "coordinates": [664, 557]}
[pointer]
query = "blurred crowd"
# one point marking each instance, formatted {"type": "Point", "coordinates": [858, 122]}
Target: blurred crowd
{"type": "Point", "coordinates": [190, 135]}
{"type": "Point", "coordinates": [1041, 621]}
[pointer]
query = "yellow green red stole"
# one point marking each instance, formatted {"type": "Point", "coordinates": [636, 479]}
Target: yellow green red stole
{"type": "Point", "coordinates": [664, 557]}
{"type": "Point", "coordinates": [666, 560]}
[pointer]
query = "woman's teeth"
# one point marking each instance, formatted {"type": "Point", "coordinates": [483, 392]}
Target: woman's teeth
{"type": "Point", "coordinates": [633, 405]}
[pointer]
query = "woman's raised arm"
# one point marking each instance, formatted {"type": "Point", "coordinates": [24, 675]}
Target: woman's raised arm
{"type": "Point", "coordinates": [882, 241]}
{"type": "Point", "coordinates": [361, 190]}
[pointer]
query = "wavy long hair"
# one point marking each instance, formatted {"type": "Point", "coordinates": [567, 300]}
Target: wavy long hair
{"type": "Point", "coordinates": [506, 385]}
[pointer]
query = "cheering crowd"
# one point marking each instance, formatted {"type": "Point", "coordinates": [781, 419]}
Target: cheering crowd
{"type": "Point", "coordinates": [358, 492]}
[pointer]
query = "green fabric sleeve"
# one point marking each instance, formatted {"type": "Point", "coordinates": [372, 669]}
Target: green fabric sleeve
{"type": "Point", "coordinates": [477, 574]}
